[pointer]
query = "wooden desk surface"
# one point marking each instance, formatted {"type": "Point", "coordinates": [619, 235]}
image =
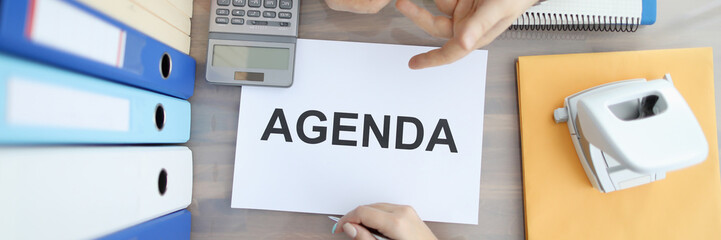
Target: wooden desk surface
{"type": "Point", "coordinates": [681, 24]}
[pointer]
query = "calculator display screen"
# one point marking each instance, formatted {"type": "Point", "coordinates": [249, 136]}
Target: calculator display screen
{"type": "Point", "coordinates": [250, 57]}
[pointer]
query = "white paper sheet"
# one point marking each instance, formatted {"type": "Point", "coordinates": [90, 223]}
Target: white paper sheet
{"type": "Point", "coordinates": [364, 78]}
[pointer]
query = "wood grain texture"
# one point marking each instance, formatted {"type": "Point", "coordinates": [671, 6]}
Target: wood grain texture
{"type": "Point", "coordinates": [693, 23]}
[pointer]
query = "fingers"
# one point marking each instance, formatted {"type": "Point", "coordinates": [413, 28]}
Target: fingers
{"type": "Point", "coordinates": [446, 6]}
{"type": "Point", "coordinates": [473, 28]}
{"type": "Point", "coordinates": [494, 32]}
{"type": "Point", "coordinates": [393, 221]}
{"type": "Point", "coordinates": [388, 207]}
{"type": "Point", "coordinates": [512, 12]}
{"type": "Point", "coordinates": [357, 232]}
{"type": "Point", "coordinates": [450, 52]}
{"type": "Point", "coordinates": [478, 29]}
{"type": "Point", "coordinates": [357, 6]}
{"type": "Point", "coordinates": [437, 26]}
{"type": "Point", "coordinates": [400, 210]}
{"type": "Point", "coordinates": [466, 39]}
{"type": "Point", "coordinates": [367, 215]}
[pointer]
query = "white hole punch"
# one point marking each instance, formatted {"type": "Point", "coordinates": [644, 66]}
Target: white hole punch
{"type": "Point", "coordinates": [631, 132]}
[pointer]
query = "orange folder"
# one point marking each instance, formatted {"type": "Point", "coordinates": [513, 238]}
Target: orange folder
{"type": "Point", "coordinates": [560, 202]}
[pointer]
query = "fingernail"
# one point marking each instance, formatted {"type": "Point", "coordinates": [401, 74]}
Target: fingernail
{"type": "Point", "coordinates": [349, 230]}
{"type": "Point", "coordinates": [333, 230]}
{"type": "Point", "coordinates": [413, 63]}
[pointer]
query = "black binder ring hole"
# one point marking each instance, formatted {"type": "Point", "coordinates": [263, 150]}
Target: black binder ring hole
{"type": "Point", "coordinates": [166, 66]}
{"type": "Point", "coordinates": [162, 182]}
{"type": "Point", "coordinates": [159, 117]}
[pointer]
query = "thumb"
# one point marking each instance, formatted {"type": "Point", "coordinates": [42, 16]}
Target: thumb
{"type": "Point", "coordinates": [357, 232]}
{"type": "Point", "coordinates": [469, 36]}
{"type": "Point", "coordinates": [478, 24]}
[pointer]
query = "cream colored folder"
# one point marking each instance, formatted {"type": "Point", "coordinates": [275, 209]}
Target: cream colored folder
{"type": "Point", "coordinates": [144, 21]}
{"type": "Point", "coordinates": [186, 6]}
{"type": "Point", "coordinates": [167, 12]}
{"type": "Point", "coordinates": [89, 192]}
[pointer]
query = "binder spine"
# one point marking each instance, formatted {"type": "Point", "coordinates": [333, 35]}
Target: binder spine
{"type": "Point", "coordinates": [88, 192]}
{"type": "Point", "coordinates": [73, 36]}
{"type": "Point", "coordinates": [574, 22]}
{"type": "Point", "coordinates": [40, 104]}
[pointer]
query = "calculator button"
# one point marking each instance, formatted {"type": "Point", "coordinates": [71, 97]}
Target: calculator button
{"type": "Point", "coordinates": [285, 15]}
{"type": "Point", "coordinates": [268, 14]}
{"type": "Point", "coordinates": [254, 3]}
{"type": "Point", "coordinates": [253, 13]}
{"type": "Point", "coordinates": [284, 24]}
{"type": "Point", "coordinates": [222, 12]}
{"type": "Point", "coordinates": [239, 3]}
{"type": "Point", "coordinates": [237, 21]}
{"type": "Point", "coordinates": [238, 12]}
{"type": "Point", "coordinates": [270, 3]}
{"type": "Point", "coordinates": [223, 2]}
{"type": "Point", "coordinates": [221, 20]}
{"type": "Point", "coordinates": [286, 4]}
{"type": "Point", "coordinates": [259, 22]}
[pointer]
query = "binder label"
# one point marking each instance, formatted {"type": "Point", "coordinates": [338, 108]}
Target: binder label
{"type": "Point", "coordinates": [35, 103]}
{"type": "Point", "coordinates": [59, 25]}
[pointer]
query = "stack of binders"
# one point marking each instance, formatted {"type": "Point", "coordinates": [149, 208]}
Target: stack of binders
{"type": "Point", "coordinates": [84, 102]}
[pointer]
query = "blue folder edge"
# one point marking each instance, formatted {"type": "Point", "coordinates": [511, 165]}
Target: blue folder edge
{"type": "Point", "coordinates": [141, 129]}
{"type": "Point", "coordinates": [648, 12]}
{"type": "Point", "coordinates": [139, 49]}
{"type": "Point", "coordinates": [172, 226]}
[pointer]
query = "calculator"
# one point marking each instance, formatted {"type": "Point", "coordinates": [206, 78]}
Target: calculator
{"type": "Point", "coordinates": [252, 42]}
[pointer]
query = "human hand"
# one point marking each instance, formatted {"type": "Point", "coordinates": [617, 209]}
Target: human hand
{"type": "Point", "coordinates": [395, 221]}
{"type": "Point", "coordinates": [469, 24]}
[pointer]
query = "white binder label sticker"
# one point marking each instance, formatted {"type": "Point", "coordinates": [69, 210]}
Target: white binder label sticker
{"type": "Point", "coordinates": [34, 103]}
{"type": "Point", "coordinates": [59, 25]}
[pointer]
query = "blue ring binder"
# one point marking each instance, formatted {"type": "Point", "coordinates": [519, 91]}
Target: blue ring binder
{"type": "Point", "coordinates": [139, 59]}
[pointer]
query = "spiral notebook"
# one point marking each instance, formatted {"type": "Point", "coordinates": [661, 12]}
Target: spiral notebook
{"type": "Point", "coordinates": [588, 15]}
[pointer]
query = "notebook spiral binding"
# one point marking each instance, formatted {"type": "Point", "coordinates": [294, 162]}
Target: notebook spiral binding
{"type": "Point", "coordinates": [574, 22]}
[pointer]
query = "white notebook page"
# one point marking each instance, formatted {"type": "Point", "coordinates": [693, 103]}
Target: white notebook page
{"type": "Point", "coordinates": [608, 8]}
